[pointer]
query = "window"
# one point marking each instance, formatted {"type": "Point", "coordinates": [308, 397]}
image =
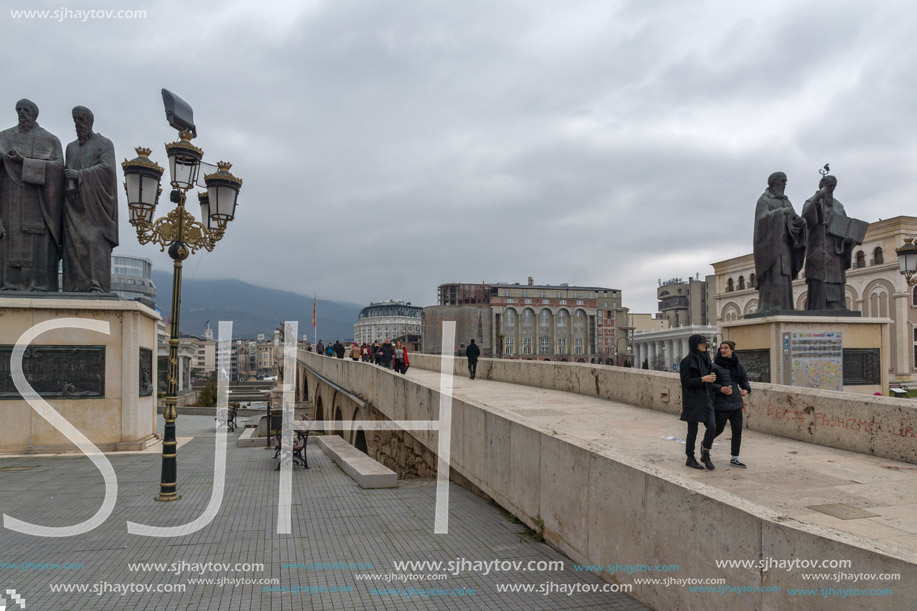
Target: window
{"type": "Point", "coordinates": [541, 294]}
{"type": "Point", "coordinates": [877, 258]}
{"type": "Point", "coordinates": [544, 321]}
{"type": "Point", "coordinates": [914, 297]}
{"type": "Point", "coordinates": [559, 294]}
{"type": "Point", "coordinates": [525, 293]}
{"type": "Point", "coordinates": [579, 302]}
{"type": "Point", "coordinates": [528, 320]}
{"type": "Point", "coordinates": [561, 345]}
{"type": "Point", "coordinates": [575, 294]}
{"type": "Point", "coordinates": [729, 286]}
{"type": "Point", "coordinates": [545, 345]}
{"type": "Point", "coordinates": [510, 300]}
{"type": "Point", "coordinates": [563, 302]}
{"type": "Point", "coordinates": [508, 346]}
{"type": "Point", "coordinates": [741, 283]}
{"type": "Point", "coordinates": [578, 346]}
{"type": "Point", "coordinates": [562, 321]}
{"type": "Point", "coordinates": [752, 282]}
{"type": "Point", "coordinates": [528, 301]}
{"type": "Point", "coordinates": [545, 301]}
{"type": "Point", "coordinates": [860, 259]}
{"type": "Point", "coordinates": [579, 321]}
{"type": "Point", "coordinates": [527, 345]}
{"type": "Point", "coordinates": [506, 292]}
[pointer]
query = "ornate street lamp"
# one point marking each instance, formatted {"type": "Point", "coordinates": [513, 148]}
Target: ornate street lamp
{"type": "Point", "coordinates": [182, 234]}
{"type": "Point", "coordinates": [907, 260]}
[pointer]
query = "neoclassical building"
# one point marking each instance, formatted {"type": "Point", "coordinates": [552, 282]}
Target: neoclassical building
{"type": "Point", "coordinates": [529, 321]}
{"type": "Point", "coordinates": [663, 350]}
{"type": "Point", "coordinates": [390, 319]}
{"type": "Point", "coordinates": [874, 287]}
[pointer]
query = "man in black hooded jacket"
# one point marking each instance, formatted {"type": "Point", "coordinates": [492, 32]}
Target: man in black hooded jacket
{"type": "Point", "coordinates": [730, 387]}
{"type": "Point", "coordinates": [697, 378]}
{"type": "Point", "coordinates": [472, 352]}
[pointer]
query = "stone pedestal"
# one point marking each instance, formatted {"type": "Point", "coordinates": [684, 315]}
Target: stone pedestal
{"type": "Point", "coordinates": [104, 385]}
{"type": "Point", "coordinates": [802, 351]}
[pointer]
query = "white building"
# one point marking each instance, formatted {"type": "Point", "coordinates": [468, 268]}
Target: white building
{"type": "Point", "coordinates": [387, 319]}
{"type": "Point", "coordinates": [662, 350]}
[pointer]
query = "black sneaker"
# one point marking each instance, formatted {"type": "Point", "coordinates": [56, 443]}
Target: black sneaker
{"type": "Point", "coordinates": [735, 462]}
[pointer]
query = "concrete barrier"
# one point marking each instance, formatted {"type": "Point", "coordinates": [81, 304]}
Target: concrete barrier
{"type": "Point", "coordinates": [363, 469]}
{"type": "Point", "coordinates": [601, 508]}
{"type": "Point", "coordinates": [881, 426]}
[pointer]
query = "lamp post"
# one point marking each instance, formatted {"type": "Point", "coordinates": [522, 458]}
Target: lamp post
{"type": "Point", "coordinates": [183, 235]}
{"type": "Point", "coordinates": [907, 260]}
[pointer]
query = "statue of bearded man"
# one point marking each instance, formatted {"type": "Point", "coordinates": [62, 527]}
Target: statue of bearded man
{"type": "Point", "coordinates": [90, 229]}
{"type": "Point", "coordinates": [31, 193]}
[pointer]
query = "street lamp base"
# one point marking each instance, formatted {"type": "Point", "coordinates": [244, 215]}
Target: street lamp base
{"type": "Point", "coordinates": [165, 498]}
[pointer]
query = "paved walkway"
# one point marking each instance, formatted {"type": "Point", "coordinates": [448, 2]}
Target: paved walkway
{"type": "Point", "coordinates": [784, 475]}
{"type": "Point", "coordinates": [334, 521]}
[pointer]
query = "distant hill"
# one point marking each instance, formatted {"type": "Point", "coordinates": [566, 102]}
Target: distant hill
{"type": "Point", "coordinates": [253, 309]}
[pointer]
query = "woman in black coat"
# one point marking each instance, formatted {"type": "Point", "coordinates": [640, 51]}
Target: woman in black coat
{"type": "Point", "coordinates": [730, 387]}
{"type": "Point", "coordinates": [697, 378]}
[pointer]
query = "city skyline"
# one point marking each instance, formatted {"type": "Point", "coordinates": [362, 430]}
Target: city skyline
{"type": "Point", "coordinates": [387, 149]}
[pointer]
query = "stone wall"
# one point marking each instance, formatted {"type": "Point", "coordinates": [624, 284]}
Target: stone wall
{"type": "Point", "coordinates": [400, 451]}
{"type": "Point", "coordinates": [882, 426]}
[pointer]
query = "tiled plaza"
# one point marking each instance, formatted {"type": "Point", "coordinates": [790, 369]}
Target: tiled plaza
{"type": "Point", "coordinates": [334, 521]}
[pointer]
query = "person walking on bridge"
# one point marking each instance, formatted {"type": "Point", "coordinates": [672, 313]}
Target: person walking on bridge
{"type": "Point", "coordinates": [386, 354]}
{"type": "Point", "coordinates": [401, 357]}
{"type": "Point", "coordinates": [697, 377]}
{"type": "Point", "coordinates": [355, 352]}
{"type": "Point", "coordinates": [729, 392]}
{"type": "Point", "coordinates": [472, 352]}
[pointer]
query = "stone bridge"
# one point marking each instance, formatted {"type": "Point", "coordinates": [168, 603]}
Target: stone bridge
{"type": "Point", "coordinates": [591, 456]}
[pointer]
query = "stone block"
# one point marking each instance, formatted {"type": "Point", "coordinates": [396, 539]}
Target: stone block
{"type": "Point", "coordinates": [564, 485]}
{"type": "Point", "coordinates": [364, 470]}
{"type": "Point", "coordinates": [497, 475]}
{"type": "Point", "coordinates": [525, 471]}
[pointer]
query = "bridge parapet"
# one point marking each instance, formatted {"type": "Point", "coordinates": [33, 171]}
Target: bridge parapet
{"type": "Point", "coordinates": [600, 506]}
{"type": "Point", "coordinates": [881, 426]}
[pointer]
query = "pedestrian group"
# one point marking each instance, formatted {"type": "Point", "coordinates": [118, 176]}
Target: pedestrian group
{"type": "Point", "coordinates": [712, 394]}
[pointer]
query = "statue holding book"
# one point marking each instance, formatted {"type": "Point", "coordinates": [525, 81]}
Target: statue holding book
{"type": "Point", "coordinates": [831, 238]}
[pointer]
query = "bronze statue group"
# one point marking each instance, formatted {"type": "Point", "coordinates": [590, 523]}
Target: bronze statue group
{"type": "Point", "coordinates": [56, 209]}
{"type": "Point", "coordinates": [821, 239]}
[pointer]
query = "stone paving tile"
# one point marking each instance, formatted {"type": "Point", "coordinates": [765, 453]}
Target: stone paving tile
{"type": "Point", "coordinates": [334, 520]}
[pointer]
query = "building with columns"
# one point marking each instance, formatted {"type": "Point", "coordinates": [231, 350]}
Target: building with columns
{"type": "Point", "coordinates": [663, 350]}
{"type": "Point", "coordinates": [875, 287]}
{"type": "Point", "coordinates": [529, 321]}
{"type": "Point", "coordinates": [387, 319]}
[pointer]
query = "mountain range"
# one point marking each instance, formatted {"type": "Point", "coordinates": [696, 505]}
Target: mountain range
{"type": "Point", "coordinates": [252, 309]}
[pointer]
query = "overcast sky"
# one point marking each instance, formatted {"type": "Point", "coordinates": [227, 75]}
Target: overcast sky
{"type": "Point", "coordinates": [388, 146]}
